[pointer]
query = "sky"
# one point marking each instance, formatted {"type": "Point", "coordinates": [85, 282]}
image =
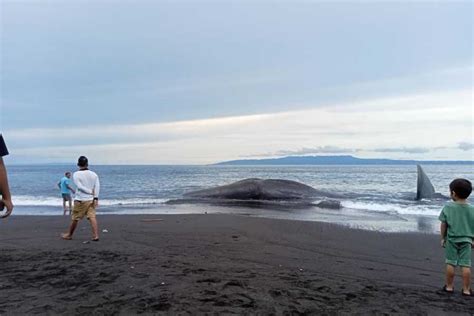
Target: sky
{"type": "Point", "coordinates": [198, 82]}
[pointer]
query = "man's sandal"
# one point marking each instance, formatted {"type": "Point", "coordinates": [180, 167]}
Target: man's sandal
{"type": "Point", "coordinates": [445, 289]}
{"type": "Point", "coordinates": [466, 294]}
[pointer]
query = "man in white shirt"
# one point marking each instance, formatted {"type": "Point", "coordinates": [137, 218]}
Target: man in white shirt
{"type": "Point", "coordinates": [86, 199]}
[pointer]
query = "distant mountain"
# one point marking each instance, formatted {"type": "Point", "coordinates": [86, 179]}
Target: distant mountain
{"type": "Point", "coordinates": [337, 160]}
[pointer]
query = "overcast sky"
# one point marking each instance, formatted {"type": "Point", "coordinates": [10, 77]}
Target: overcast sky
{"type": "Point", "coordinates": [203, 81]}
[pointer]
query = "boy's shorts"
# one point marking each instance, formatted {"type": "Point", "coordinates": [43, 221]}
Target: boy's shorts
{"type": "Point", "coordinates": [66, 196]}
{"type": "Point", "coordinates": [458, 253]}
{"type": "Point", "coordinates": [83, 208]}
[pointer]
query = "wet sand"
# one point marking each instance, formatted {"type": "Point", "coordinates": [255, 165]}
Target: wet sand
{"type": "Point", "coordinates": [224, 264]}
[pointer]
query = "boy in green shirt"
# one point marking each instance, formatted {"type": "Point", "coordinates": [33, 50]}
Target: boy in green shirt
{"type": "Point", "coordinates": [457, 233]}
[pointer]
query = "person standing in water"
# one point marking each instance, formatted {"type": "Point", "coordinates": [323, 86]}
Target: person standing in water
{"type": "Point", "coordinates": [66, 191]}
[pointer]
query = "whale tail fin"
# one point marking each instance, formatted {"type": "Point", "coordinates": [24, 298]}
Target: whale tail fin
{"type": "Point", "coordinates": [424, 188]}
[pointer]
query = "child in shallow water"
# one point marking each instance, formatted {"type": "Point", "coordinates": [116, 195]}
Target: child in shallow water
{"type": "Point", "coordinates": [457, 233]}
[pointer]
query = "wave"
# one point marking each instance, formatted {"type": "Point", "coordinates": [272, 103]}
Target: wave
{"type": "Point", "coordinates": [357, 205]}
{"type": "Point", "coordinates": [28, 200]}
{"type": "Point", "coordinates": [408, 209]}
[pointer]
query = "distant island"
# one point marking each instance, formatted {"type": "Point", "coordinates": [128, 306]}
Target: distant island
{"type": "Point", "coordinates": [337, 160]}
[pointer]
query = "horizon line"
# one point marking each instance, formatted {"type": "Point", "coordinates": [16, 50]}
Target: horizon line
{"type": "Point", "coordinates": [247, 159]}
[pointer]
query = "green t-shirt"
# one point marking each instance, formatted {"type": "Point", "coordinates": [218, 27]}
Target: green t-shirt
{"type": "Point", "coordinates": [460, 220]}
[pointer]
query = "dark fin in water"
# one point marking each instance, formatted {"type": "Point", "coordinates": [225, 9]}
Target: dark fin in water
{"type": "Point", "coordinates": [424, 188]}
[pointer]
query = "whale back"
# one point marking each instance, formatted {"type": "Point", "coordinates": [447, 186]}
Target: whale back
{"type": "Point", "coordinates": [258, 189]}
{"type": "Point", "coordinates": [424, 188]}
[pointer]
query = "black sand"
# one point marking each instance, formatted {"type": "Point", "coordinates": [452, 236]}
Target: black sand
{"type": "Point", "coordinates": [219, 264]}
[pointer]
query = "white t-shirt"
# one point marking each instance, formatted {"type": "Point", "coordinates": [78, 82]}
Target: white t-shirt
{"type": "Point", "coordinates": [87, 183]}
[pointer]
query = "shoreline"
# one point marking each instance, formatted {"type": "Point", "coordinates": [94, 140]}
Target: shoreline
{"type": "Point", "coordinates": [217, 263]}
{"type": "Point", "coordinates": [353, 218]}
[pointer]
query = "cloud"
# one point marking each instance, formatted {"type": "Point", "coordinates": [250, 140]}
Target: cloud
{"type": "Point", "coordinates": [339, 150]}
{"type": "Point", "coordinates": [308, 151]}
{"type": "Point", "coordinates": [414, 126]}
{"type": "Point", "coordinates": [408, 150]}
{"type": "Point", "coordinates": [466, 146]}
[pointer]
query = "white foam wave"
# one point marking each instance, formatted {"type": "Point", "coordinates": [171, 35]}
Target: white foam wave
{"type": "Point", "coordinates": [409, 209]}
{"type": "Point", "coordinates": [392, 208]}
{"type": "Point", "coordinates": [27, 200]}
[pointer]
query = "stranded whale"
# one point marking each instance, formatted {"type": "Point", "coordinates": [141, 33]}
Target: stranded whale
{"type": "Point", "coordinates": [261, 192]}
{"type": "Point", "coordinates": [280, 192]}
{"type": "Point", "coordinates": [259, 189]}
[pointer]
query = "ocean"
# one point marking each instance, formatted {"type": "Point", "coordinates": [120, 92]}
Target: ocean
{"type": "Point", "coordinates": [379, 197]}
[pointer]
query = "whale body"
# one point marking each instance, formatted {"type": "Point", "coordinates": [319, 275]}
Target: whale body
{"type": "Point", "coordinates": [259, 189]}
{"type": "Point", "coordinates": [280, 192]}
{"type": "Point", "coordinates": [275, 193]}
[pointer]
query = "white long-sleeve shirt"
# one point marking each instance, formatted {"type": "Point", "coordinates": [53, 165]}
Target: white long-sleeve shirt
{"type": "Point", "coordinates": [87, 183]}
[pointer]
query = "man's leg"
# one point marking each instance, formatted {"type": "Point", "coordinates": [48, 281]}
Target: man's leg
{"type": "Point", "coordinates": [64, 207]}
{"type": "Point", "coordinates": [93, 220]}
{"type": "Point", "coordinates": [466, 279]}
{"type": "Point", "coordinates": [70, 205]}
{"type": "Point", "coordinates": [72, 228]}
{"type": "Point", "coordinates": [95, 228]}
{"type": "Point", "coordinates": [449, 277]}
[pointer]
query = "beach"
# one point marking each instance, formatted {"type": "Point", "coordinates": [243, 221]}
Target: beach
{"type": "Point", "coordinates": [223, 264]}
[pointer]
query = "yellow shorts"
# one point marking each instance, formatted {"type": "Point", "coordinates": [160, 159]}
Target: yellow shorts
{"type": "Point", "coordinates": [83, 208]}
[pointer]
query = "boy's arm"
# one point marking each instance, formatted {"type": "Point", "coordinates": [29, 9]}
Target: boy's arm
{"type": "Point", "coordinates": [444, 231]}
{"type": "Point", "coordinates": [444, 226]}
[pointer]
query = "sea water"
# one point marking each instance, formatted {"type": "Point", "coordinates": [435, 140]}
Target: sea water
{"type": "Point", "coordinates": [379, 197]}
